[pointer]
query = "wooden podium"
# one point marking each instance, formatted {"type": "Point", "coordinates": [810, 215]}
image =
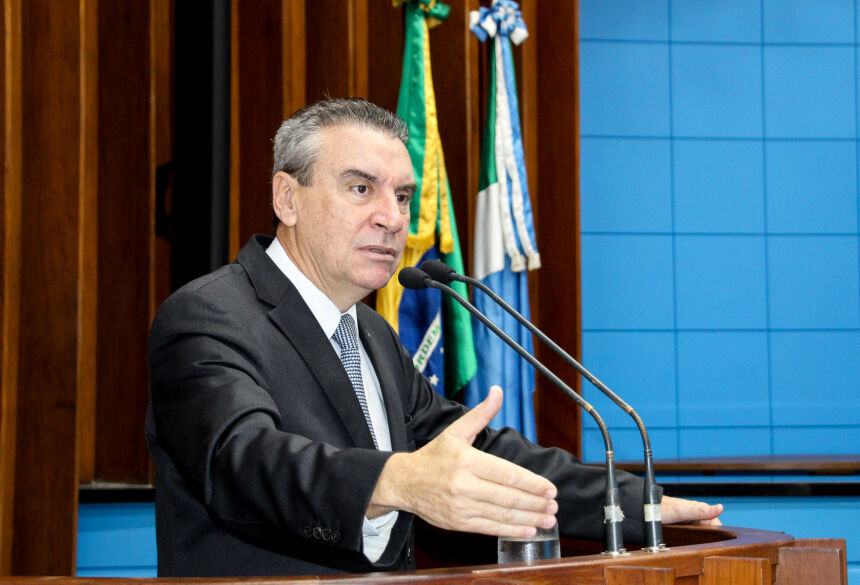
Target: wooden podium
{"type": "Point", "coordinates": [698, 556]}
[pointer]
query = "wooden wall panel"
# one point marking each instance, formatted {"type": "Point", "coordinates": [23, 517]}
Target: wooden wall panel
{"type": "Point", "coordinates": [385, 49]}
{"type": "Point", "coordinates": [258, 104]}
{"type": "Point", "coordinates": [126, 184]}
{"type": "Point", "coordinates": [87, 286]}
{"type": "Point", "coordinates": [556, 201]}
{"type": "Point", "coordinates": [161, 145]}
{"type": "Point", "coordinates": [10, 252]}
{"type": "Point", "coordinates": [294, 56]}
{"type": "Point", "coordinates": [56, 90]}
{"type": "Point", "coordinates": [335, 48]}
{"type": "Point", "coordinates": [94, 102]}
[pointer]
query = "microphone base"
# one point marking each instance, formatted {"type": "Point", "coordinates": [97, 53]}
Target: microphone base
{"type": "Point", "coordinates": [655, 549]}
{"type": "Point", "coordinates": [621, 552]}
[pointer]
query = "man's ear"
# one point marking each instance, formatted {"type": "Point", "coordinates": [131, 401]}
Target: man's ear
{"type": "Point", "coordinates": [284, 188]}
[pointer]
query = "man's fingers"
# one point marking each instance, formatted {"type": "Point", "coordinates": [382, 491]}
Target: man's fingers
{"type": "Point", "coordinates": [483, 511]}
{"type": "Point", "coordinates": [511, 499]}
{"type": "Point", "coordinates": [678, 510]}
{"type": "Point", "coordinates": [473, 422]}
{"type": "Point", "coordinates": [499, 471]}
{"type": "Point", "coordinates": [493, 528]}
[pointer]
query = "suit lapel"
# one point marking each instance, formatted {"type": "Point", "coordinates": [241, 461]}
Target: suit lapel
{"type": "Point", "coordinates": [373, 332]}
{"type": "Point", "coordinates": [293, 317]}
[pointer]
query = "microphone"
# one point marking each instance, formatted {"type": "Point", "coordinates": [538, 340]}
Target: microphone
{"type": "Point", "coordinates": [411, 277]}
{"type": "Point", "coordinates": [439, 271]}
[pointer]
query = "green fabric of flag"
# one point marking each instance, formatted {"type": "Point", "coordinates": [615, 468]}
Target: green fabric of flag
{"type": "Point", "coordinates": [432, 224]}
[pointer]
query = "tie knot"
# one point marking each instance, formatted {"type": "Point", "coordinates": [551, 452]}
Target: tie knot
{"type": "Point", "coordinates": [344, 335]}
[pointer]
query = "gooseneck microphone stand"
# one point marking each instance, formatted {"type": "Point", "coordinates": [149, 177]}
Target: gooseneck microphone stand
{"type": "Point", "coordinates": [441, 272]}
{"type": "Point", "coordinates": [414, 278]}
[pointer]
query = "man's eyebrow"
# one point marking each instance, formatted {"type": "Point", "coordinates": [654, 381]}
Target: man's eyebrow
{"type": "Point", "coordinates": [358, 173]}
{"type": "Point", "coordinates": [408, 187]}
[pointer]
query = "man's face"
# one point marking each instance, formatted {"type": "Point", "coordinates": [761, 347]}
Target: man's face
{"type": "Point", "coordinates": [350, 223]}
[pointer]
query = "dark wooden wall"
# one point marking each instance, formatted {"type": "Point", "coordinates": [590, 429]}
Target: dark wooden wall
{"type": "Point", "coordinates": [87, 94]}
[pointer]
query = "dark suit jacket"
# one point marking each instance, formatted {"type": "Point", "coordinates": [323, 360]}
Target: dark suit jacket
{"type": "Point", "coordinates": [264, 461]}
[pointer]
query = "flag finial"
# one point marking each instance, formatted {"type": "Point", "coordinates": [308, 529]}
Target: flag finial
{"type": "Point", "coordinates": [434, 11]}
{"type": "Point", "coordinates": [503, 18]}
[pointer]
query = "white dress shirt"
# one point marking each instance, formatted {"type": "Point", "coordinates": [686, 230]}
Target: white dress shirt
{"type": "Point", "coordinates": [376, 532]}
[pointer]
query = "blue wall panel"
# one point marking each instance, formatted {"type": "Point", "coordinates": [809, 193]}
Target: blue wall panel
{"type": "Point", "coordinates": [634, 363]}
{"type": "Point", "coordinates": [809, 92]}
{"type": "Point", "coordinates": [718, 186]}
{"type": "Point", "coordinates": [624, 89]}
{"type": "Point", "coordinates": [741, 254]}
{"type": "Point", "coordinates": [116, 540]}
{"type": "Point", "coordinates": [822, 440]}
{"type": "Point", "coordinates": [639, 199]}
{"type": "Point", "coordinates": [716, 91]}
{"type": "Point", "coordinates": [720, 282]}
{"type": "Point", "coordinates": [813, 282]}
{"type": "Point", "coordinates": [627, 282]}
{"type": "Point", "coordinates": [643, 20]}
{"type": "Point", "coordinates": [738, 21]}
{"type": "Point", "coordinates": [808, 21]}
{"type": "Point", "coordinates": [627, 443]}
{"type": "Point", "coordinates": [713, 442]}
{"type": "Point", "coordinates": [801, 175]}
{"type": "Point", "coordinates": [815, 378]}
{"type": "Point", "coordinates": [710, 392]}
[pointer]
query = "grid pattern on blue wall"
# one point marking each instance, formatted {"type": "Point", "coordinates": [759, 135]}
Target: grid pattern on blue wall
{"type": "Point", "coordinates": [720, 212]}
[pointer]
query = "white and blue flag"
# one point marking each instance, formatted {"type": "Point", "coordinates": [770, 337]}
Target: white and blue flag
{"type": "Point", "coordinates": [504, 231]}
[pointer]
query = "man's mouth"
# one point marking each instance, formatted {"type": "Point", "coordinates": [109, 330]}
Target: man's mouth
{"type": "Point", "coordinates": [379, 250]}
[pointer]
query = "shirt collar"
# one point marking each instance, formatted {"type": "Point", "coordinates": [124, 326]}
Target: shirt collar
{"type": "Point", "coordinates": [323, 308]}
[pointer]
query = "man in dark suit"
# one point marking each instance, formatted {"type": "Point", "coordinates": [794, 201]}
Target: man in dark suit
{"type": "Point", "coordinates": [288, 441]}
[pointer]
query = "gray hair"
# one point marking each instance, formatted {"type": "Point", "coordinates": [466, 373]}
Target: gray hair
{"type": "Point", "coordinates": [297, 140]}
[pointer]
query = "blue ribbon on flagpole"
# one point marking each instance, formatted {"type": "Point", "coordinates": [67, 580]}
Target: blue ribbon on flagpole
{"type": "Point", "coordinates": [503, 18]}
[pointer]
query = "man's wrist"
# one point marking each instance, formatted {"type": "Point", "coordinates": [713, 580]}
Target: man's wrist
{"type": "Point", "coordinates": [388, 494]}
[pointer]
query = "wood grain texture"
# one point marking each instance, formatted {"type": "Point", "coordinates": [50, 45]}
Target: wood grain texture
{"type": "Point", "coordinates": [294, 55]}
{"type": "Point", "coordinates": [686, 560]}
{"type": "Point", "coordinates": [385, 48]}
{"type": "Point", "coordinates": [161, 120]}
{"type": "Point", "coordinates": [87, 231]}
{"type": "Point", "coordinates": [125, 189]}
{"type": "Point", "coordinates": [329, 59]}
{"type": "Point", "coordinates": [802, 565]}
{"type": "Point", "coordinates": [558, 303]}
{"type": "Point", "coordinates": [736, 571]}
{"type": "Point", "coordinates": [639, 576]}
{"type": "Point", "coordinates": [10, 251]}
{"type": "Point", "coordinates": [46, 482]}
{"type": "Point", "coordinates": [359, 57]}
{"type": "Point", "coordinates": [257, 89]}
{"type": "Point", "coordinates": [837, 543]}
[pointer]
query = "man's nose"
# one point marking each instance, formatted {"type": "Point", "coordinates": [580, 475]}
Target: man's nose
{"type": "Point", "coordinates": [389, 214]}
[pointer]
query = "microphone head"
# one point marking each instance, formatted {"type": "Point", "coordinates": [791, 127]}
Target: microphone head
{"type": "Point", "coordinates": [438, 270]}
{"type": "Point", "coordinates": [411, 277]}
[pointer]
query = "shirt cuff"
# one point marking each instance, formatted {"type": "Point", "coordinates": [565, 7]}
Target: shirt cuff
{"type": "Point", "coordinates": [376, 534]}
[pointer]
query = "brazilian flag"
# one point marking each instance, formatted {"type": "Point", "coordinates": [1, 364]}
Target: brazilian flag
{"type": "Point", "coordinates": [434, 329]}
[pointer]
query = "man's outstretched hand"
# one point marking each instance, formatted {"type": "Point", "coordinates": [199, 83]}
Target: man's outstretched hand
{"type": "Point", "coordinates": [454, 486]}
{"type": "Point", "coordinates": [680, 511]}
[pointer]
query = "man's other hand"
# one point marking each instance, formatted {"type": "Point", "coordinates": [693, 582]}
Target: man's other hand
{"type": "Point", "coordinates": [680, 511]}
{"type": "Point", "coordinates": [454, 486]}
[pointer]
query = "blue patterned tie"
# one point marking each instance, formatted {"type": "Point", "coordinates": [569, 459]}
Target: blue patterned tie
{"type": "Point", "coordinates": [345, 337]}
